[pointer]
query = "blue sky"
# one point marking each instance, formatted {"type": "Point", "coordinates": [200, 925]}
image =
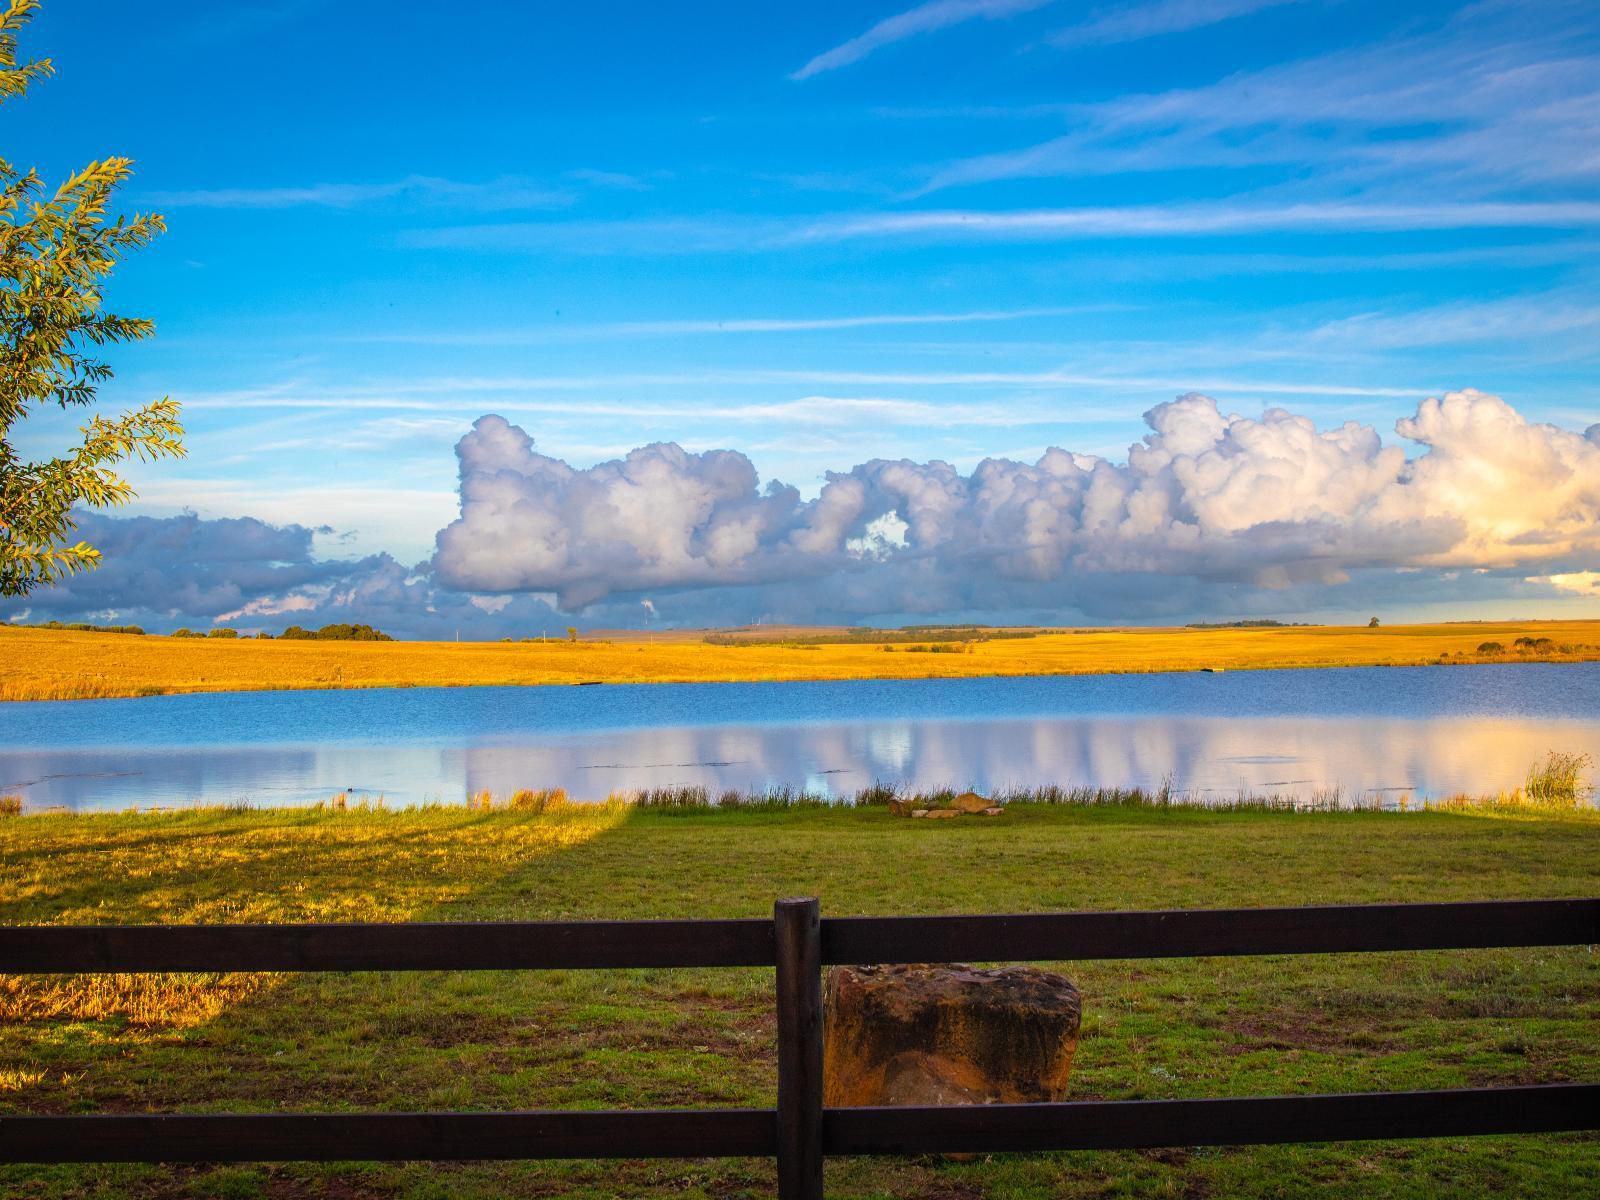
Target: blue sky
{"type": "Point", "coordinates": [824, 234]}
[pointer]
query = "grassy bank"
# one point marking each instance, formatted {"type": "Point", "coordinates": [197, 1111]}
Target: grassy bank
{"type": "Point", "coordinates": [637, 1038]}
{"type": "Point", "coordinates": [66, 665]}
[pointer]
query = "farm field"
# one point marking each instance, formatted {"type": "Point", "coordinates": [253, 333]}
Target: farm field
{"type": "Point", "coordinates": [63, 665]}
{"type": "Point", "coordinates": [681, 1038]}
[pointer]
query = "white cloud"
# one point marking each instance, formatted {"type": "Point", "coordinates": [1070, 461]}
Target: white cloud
{"type": "Point", "coordinates": [1133, 22]}
{"type": "Point", "coordinates": [608, 179]}
{"type": "Point", "coordinates": [1235, 217]}
{"type": "Point", "coordinates": [556, 332]}
{"type": "Point", "coordinates": [304, 601]}
{"type": "Point", "coordinates": [494, 195]}
{"type": "Point", "coordinates": [1579, 583]}
{"type": "Point", "coordinates": [163, 572]}
{"type": "Point", "coordinates": [1211, 511]}
{"type": "Point", "coordinates": [1268, 502]}
{"type": "Point", "coordinates": [1182, 220]}
{"type": "Point", "coordinates": [456, 394]}
{"type": "Point", "coordinates": [925, 18]}
{"type": "Point", "coordinates": [378, 514]}
{"type": "Point", "coordinates": [1477, 322]}
{"type": "Point", "coordinates": [1490, 96]}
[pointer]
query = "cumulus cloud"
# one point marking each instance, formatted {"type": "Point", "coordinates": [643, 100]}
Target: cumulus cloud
{"type": "Point", "coordinates": [1212, 513]}
{"type": "Point", "coordinates": [166, 572]}
{"type": "Point", "coordinates": [1581, 583]}
{"type": "Point", "coordinates": [190, 568]}
{"type": "Point", "coordinates": [1260, 502]}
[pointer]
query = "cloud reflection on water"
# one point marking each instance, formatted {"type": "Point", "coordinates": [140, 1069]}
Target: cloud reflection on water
{"type": "Point", "coordinates": [1210, 757]}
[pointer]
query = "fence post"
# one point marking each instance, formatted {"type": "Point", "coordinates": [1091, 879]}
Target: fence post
{"type": "Point", "coordinates": [798, 927]}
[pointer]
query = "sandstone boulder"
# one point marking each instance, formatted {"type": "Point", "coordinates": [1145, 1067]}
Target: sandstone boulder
{"type": "Point", "coordinates": [966, 804]}
{"type": "Point", "coordinates": [951, 1034]}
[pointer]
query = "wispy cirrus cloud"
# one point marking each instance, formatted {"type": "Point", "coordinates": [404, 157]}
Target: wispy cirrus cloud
{"type": "Point", "coordinates": [506, 193]}
{"type": "Point", "coordinates": [925, 18]}
{"type": "Point", "coordinates": [1180, 220]}
{"type": "Point", "coordinates": [543, 394]}
{"type": "Point", "coordinates": [462, 396]}
{"type": "Point", "coordinates": [1240, 216]}
{"type": "Point", "coordinates": [1136, 21]}
{"type": "Point", "coordinates": [1522, 319]}
{"type": "Point", "coordinates": [713, 326]}
{"type": "Point", "coordinates": [810, 324]}
{"type": "Point", "coordinates": [1488, 97]}
{"type": "Point", "coordinates": [609, 179]}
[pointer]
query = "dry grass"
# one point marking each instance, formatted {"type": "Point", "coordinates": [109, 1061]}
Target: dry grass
{"type": "Point", "coordinates": [1559, 779]}
{"type": "Point", "coordinates": [529, 800]}
{"type": "Point", "coordinates": [14, 1079]}
{"type": "Point", "coordinates": [63, 665]}
{"type": "Point", "coordinates": [174, 1001]}
{"type": "Point", "coordinates": [313, 864]}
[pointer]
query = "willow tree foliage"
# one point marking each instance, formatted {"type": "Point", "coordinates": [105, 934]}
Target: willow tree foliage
{"type": "Point", "coordinates": [56, 252]}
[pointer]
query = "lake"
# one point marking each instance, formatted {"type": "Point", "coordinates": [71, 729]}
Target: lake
{"type": "Point", "coordinates": [1370, 732]}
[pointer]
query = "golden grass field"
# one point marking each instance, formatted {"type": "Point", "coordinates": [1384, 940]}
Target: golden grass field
{"type": "Point", "coordinates": [63, 665]}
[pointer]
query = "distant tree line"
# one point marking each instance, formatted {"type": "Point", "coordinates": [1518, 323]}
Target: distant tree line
{"type": "Point", "coordinates": [81, 628]}
{"type": "Point", "coordinates": [1526, 645]}
{"type": "Point", "coordinates": [752, 636]}
{"type": "Point", "coordinates": [338, 633]}
{"type": "Point", "coordinates": [328, 633]}
{"type": "Point", "coordinates": [1259, 624]}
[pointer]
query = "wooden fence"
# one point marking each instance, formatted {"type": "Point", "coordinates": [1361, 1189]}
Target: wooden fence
{"type": "Point", "coordinates": [798, 942]}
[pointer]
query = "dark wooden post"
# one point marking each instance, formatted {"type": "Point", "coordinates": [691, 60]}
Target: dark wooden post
{"type": "Point", "coordinates": [798, 928]}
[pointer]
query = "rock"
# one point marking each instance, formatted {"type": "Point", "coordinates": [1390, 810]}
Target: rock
{"type": "Point", "coordinates": [942, 812]}
{"type": "Point", "coordinates": [953, 1034]}
{"type": "Point", "coordinates": [899, 806]}
{"type": "Point", "coordinates": [919, 812]}
{"type": "Point", "coordinates": [993, 811]}
{"type": "Point", "coordinates": [969, 802]}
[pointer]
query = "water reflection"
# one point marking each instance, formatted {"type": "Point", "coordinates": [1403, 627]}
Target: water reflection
{"type": "Point", "coordinates": [1210, 757]}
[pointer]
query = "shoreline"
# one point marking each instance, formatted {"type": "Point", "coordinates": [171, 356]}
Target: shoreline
{"type": "Point", "coordinates": [694, 801]}
{"type": "Point", "coordinates": [1254, 669]}
{"type": "Point", "coordinates": [47, 665]}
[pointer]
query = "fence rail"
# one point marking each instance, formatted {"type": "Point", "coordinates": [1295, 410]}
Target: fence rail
{"type": "Point", "coordinates": [574, 945]}
{"type": "Point", "coordinates": [798, 941]}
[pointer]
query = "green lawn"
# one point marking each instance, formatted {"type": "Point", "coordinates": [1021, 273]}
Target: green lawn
{"type": "Point", "coordinates": [652, 1038]}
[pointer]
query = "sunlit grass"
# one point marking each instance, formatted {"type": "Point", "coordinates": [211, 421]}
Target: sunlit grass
{"type": "Point", "coordinates": [1559, 779]}
{"type": "Point", "coordinates": [484, 1040]}
{"type": "Point", "coordinates": [239, 865]}
{"type": "Point", "coordinates": [14, 1079]}
{"type": "Point", "coordinates": [60, 665]}
{"type": "Point", "coordinates": [168, 1001]}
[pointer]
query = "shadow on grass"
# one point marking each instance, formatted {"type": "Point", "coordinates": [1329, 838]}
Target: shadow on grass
{"type": "Point", "coordinates": [501, 1040]}
{"type": "Point", "coordinates": [368, 1041]}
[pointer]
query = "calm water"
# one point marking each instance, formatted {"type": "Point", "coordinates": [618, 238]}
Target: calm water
{"type": "Point", "coordinates": [1386, 731]}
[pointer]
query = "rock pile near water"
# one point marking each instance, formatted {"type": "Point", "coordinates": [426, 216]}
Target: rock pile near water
{"type": "Point", "coordinates": [966, 804]}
